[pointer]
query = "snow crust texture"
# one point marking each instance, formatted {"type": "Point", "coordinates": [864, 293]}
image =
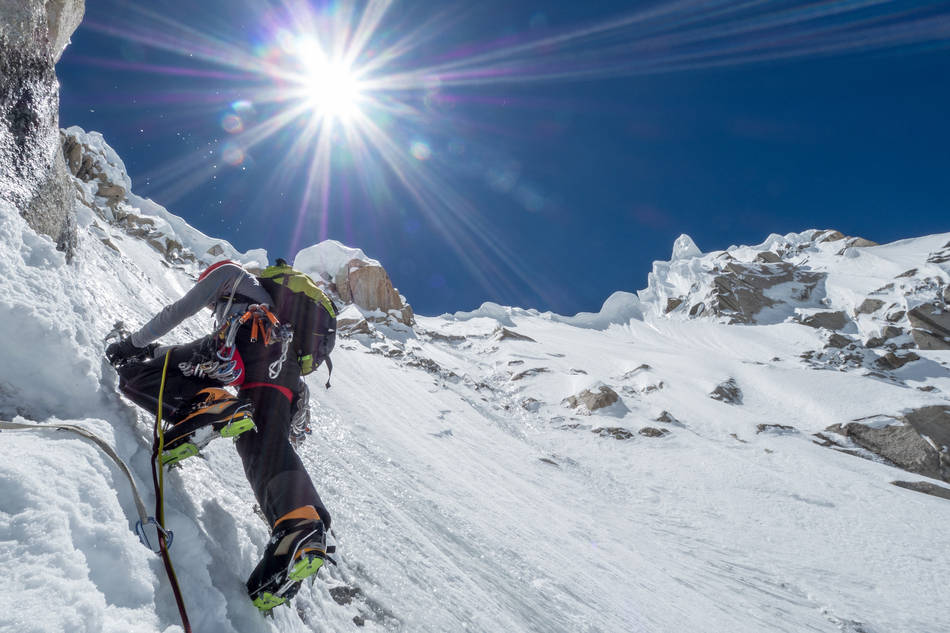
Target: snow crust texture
{"type": "Point", "coordinates": [649, 468]}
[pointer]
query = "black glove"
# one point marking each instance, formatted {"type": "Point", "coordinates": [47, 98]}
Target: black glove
{"type": "Point", "coordinates": [124, 350]}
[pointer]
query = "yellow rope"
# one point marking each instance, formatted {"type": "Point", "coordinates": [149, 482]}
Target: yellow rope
{"type": "Point", "coordinates": [160, 505]}
{"type": "Point", "coordinates": [161, 444]}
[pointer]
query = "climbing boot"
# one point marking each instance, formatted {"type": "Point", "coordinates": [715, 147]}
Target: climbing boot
{"type": "Point", "coordinates": [215, 413]}
{"type": "Point", "coordinates": [296, 551]}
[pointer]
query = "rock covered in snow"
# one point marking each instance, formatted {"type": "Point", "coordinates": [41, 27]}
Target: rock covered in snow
{"type": "Point", "coordinates": [890, 295]}
{"type": "Point", "coordinates": [591, 401]}
{"type": "Point", "coordinates": [106, 204]}
{"type": "Point", "coordinates": [354, 278]}
{"type": "Point", "coordinates": [727, 391]}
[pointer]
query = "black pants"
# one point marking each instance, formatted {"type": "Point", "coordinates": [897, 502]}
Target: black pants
{"type": "Point", "coordinates": [277, 476]}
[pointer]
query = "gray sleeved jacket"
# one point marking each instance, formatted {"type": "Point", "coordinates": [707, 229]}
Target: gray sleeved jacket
{"type": "Point", "coordinates": [213, 290]}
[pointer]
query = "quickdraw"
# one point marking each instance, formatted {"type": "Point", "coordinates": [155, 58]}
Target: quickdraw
{"type": "Point", "coordinates": [263, 324]}
{"type": "Point", "coordinates": [225, 371]}
{"type": "Point", "coordinates": [264, 327]}
{"type": "Point", "coordinates": [285, 334]}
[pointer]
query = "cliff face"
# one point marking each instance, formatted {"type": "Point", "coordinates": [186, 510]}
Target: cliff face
{"type": "Point", "coordinates": [33, 177]}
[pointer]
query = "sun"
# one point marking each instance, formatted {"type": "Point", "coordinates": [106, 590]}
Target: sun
{"type": "Point", "coordinates": [331, 88]}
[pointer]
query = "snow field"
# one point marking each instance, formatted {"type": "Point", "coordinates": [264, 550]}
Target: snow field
{"type": "Point", "coordinates": [475, 500]}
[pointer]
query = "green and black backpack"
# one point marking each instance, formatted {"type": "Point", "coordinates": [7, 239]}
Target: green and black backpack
{"type": "Point", "coordinates": [299, 302]}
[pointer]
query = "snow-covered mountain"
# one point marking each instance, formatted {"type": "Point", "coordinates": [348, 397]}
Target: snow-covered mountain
{"type": "Point", "coordinates": [656, 466]}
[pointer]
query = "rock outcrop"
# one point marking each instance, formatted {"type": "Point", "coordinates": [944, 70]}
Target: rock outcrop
{"type": "Point", "coordinates": [866, 296]}
{"type": "Point", "coordinates": [918, 441]}
{"type": "Point", "coordinates": [588, 401]}
{"type": "Point", "coordinates": [33, 177]}
{"type": "Point", "coordinates": [727, 391]}
{"type": "Point", "coordinates": [368, 286]}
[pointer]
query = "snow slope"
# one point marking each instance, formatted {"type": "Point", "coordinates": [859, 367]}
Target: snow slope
{"type": "Point", "coordinates": [466, 494]}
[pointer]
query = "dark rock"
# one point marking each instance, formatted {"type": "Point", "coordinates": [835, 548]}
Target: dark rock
{"type": "Point", "coordinates": [885, 289]}
{"type": "Point", "coordinates": [592, 401]}
{"type": "Point", "coordinates": [939, 257]}
{"type": "Point", "coordinates": [344, 595]}
{"type": "Point", "coordinates": [868, 306]}
{"type": "Point", "coordinates": [515, 362]}
{"type": "Point", "coordinates": [893, 361]}
{"type": "Point", "coordinates": [895, 316]}
{"type": "Point", "coordinates": [829, 320]}
{"type": "Point", "coordinates": [432, 367]}
{"type": "Point", "coordinates": [549, 461]}
{"type": "Point", "coordinates": [577, 372]}
{"type": "Point", "coordinates": [649, 431]}
{"type": "Point", "coordinates": [666, 417]}
{"type": "Point", "coordinates": [930, 326]}
{"type": "Point", "coordinates": [737, 438]}
{"type": "Point", "coordinates": [767, 257]}
{"type": "Point", "coordinates": [534, 371]}
{"type": "Point", "coordinates": [824, 440]}
{"type": "Point", "coordinates": [616, 432]}
{"type": "Point", "coordinates": [891, 331]}
{"type": "Point", "coordinates": [933, 422]}
{"type": "Point", "coordinates": [510, 335]}
{"type": "Point", "coordinates": [860, 242]}
{"type": "Point", "coordinates": [780, 429]}
{"type": "Point", "coordinates": [727, 391]}
{"type": "Point", "coordinates": [898, 443]}
{"type": "Point", "coordinates": [925, 487]}
{"type": "Point", "coordinates": [673, 303]}
{"type": "Point", "coordinates": [627, 375]}
{"type": "Point", "coordinates": [908, 273]}
{"type": "Point", "coordinates": [837, 341]}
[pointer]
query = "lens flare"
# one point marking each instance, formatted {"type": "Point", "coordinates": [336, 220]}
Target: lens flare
{"type": "Point", "coordinates": [232, 124]}
{"type": "Point", "coordinates": [232, 154]}
{"type": "Point", "coordinates": [420, 150]}
{"type": "Point", "coordinates": [344, 91]}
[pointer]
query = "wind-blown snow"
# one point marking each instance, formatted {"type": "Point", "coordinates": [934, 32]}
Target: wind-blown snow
{"type": "Point", "coordinates": [466, 494]}
{"type": "Point", "coordinates": [327, 258]}
{"type": "Point", "coordinates": [685, 248]}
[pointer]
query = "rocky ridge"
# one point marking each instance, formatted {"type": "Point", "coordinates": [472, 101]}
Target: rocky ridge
{"type": "Point", "coordinates": [816, 278]}
{"type": "Point", "coordinates": [109, 209]}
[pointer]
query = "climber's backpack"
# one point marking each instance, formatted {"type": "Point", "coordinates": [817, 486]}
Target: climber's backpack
{"type": "Point", "coordinates": [299, 302]}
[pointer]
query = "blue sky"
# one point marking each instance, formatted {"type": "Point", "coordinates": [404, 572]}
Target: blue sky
{"type": "Point", "coordinates": [538, 154]}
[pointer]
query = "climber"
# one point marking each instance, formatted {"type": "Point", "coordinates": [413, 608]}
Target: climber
{"type": "Point", "coordinates": [259, 417]}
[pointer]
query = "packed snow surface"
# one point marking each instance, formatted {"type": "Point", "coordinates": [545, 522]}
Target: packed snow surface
{"type": "Point", "coordinates": [467, 494]}
{"type": "Point", "coordinates": [327, 258]}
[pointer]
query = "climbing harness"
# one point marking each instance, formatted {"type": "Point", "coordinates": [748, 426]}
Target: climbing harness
{"type": "Point", "coordinates": [158, 479]}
